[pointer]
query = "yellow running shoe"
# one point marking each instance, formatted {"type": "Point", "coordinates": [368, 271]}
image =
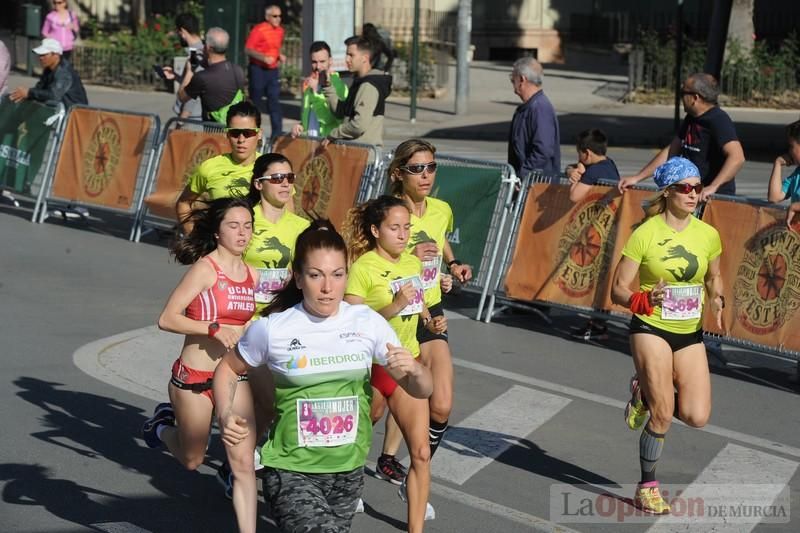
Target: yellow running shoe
{"type": "Point", "coordinates": [635, 411]}
{"type": "Point", "coordinates": [648, 499]}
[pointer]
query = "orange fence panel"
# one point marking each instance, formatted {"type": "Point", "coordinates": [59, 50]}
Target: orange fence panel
{"type": "Point", "coordinates": [183, 150]}
{"type": "Point", "coordinates": [760, 266]}
{"type": "Point", "coordinates": [328, 180]}
{"type": "Point", "coordinates": [565, 253]}
{"type": "Point", "coordinates": [102, 157]}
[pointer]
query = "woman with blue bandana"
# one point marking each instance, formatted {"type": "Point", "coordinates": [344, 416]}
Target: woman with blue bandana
{"type": "Point", "coordinates": [677, 260]}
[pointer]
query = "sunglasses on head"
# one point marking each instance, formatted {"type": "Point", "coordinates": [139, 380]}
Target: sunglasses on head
{"type": "Point", "coordinates": [278, 178]}
{"type": "Point", "coordinates": [686, 188]}
{"type": "Point", "coordinates": [234, 133]}
{"type": "Point", "coordinates": [420, 168]}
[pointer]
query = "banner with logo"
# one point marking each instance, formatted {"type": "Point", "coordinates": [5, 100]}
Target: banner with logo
{"type": "Point", "coordinates": [629, 216]}
{"type": "Point", "coordinates": [327, 180]}
{"type": "Point", "coordinates": [760, 266]}
{"type": "Point", "coordinates": [183, 151]}
{"type": "Point", "coordinates": [471, 193]}
{"type": "Point", "coordinates": [566, 253]}
{"type": "Point", "coordinates": [23, 141]}
{"type": "Point", "coordinates": [100, 157]}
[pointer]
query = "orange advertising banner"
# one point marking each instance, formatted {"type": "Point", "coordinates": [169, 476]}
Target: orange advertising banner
{"type": "Point", "coordinates": [327, 180]}
{"type": "Point", "coordinates": [629, 217]}
{"type": "Point", "coordinates": [566, 253]}
{"type": "Point", "coordinates": [760, 266]}
{"type": "Point", "coordinates": [561, 250]}
{"type": "Point", "coordinates": [100, 157]}
{"type": "Point", "coordinates": [183, 151]}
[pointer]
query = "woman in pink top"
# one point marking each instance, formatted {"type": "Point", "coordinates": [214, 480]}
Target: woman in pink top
{"type": "Point", "coordinates": [62, 25]}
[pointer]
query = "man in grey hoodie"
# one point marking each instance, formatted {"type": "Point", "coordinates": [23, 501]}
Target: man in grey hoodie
{"type": "Point", "coordinates": [362, 111]}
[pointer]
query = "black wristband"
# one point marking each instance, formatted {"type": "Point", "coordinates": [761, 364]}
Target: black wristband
{"type": "Point", "coordinates": [454, 262]}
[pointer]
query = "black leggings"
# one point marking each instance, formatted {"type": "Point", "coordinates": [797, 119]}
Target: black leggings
{"type": "Point", "coordinates": [676, 341]}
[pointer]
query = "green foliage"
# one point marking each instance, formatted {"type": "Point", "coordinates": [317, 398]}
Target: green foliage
{"type": "Point", "coordinates": [765, 75]}
{"type": "Point", "coordinates": [155, 38]}
{"type": "Point", "coordinates": [427, 65]}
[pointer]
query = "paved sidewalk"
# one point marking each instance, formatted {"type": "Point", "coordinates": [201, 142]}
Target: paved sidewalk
{"type": "Point", "coordinates": [576, 92]}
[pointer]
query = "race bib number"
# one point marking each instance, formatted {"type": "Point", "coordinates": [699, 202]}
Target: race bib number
{"type": "Point", "coordinates": [327, 421]}
{"type": "Point", "coordinates": [682, 303]}
{"type": "Point", "coordinates": [415, 306]}
{"type": "Point", "coordinates": [270, 280]}
{"type": "Point", "coordinates": [430, 272]}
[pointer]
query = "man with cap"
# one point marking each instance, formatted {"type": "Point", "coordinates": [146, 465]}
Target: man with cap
{"type": "Point", "coordinates": [58, 83]}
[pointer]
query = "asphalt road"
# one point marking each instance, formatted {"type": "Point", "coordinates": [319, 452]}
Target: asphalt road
{"type": "Point", "coordinates": [537, 424]}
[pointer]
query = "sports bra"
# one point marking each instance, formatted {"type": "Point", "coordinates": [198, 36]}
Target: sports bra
{"type": "Point", "coordinates": [226, 301]}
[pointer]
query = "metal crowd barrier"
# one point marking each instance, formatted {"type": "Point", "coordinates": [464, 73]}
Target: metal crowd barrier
{"type": "Point", "coordinates": [91, 168]}
{"type": "Point", "coordinates": [146, 220]}
{"type": "Point", "coordinates": [497, 293]}
{"type": "Point", "coordinates": [465, 198]}
{"type": "Point", "coordinates": [371, 172]}
{"type": "Point", "coordinates": [16, 134]}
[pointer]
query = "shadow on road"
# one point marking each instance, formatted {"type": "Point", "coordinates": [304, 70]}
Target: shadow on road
{"type": "Point", "coordinates": [98, 428]}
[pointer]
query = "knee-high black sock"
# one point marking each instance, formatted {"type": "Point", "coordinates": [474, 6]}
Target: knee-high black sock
{"type": "Point", "coordinates": [436, 431]}
{"type": "Point", "coordinates": [650, 446]}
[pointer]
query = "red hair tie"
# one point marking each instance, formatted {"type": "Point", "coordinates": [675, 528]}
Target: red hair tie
{"type": "Point", "coordinates": [639, 303]}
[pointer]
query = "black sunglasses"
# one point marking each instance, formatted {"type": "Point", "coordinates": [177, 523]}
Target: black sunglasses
{"type": "Point", "coordinates": [686, 188]}
{"type": "Point", "coordinates": [275, 179]}
{"type": "Point", "coordinates": [420, 168]}
{"type": "Point", "coordinates": [234, 133]}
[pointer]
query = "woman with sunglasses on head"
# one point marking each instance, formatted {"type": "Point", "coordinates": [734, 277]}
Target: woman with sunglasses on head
{"type": "Point", "coordinates": [677, 260]}
{"type": "Point", "coordinates": [320, 351]}
{"type": "Point", "coordinates": [62, 24]}
{"type": "Point", "coordinates": [211, 306]}
{"type": "Point", "coordinates": [389, 280]}
{"type": "Point", "coordinates": [229, 174]}
{"type": "Point", "coordinates": [413, 172]}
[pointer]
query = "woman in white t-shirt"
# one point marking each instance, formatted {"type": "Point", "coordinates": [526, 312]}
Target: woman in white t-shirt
{"type": "Point", "coordinates": [320, 351]}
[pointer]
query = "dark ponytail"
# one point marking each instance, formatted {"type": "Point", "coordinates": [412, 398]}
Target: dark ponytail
{"type": "Point", "coordinates": [320, 235]}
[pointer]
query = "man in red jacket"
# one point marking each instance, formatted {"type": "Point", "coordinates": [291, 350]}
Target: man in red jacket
{"type": "Point", "coordinates": [263, 47]}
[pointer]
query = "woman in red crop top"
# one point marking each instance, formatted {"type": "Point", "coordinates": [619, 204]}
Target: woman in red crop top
{"type": "Point", "coordinates": [210, 306]}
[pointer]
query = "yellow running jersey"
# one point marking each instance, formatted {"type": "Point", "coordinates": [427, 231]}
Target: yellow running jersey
{"type": "Point", "coordinates": [221, 177]}
{"type": "Point", "coordinates": [371, 277]}
{"type": "Point", "coordinates": [434, 226]}
{"type": "Point", "coordinates": [271, 250]}
{"type": "Point", "coordinates": [681, 259]}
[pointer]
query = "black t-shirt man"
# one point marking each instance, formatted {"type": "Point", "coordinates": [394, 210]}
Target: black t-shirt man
{"type": "Point", "coordinates": [216, 85]}
{"type": "Point", "coordinates": [702, 139]}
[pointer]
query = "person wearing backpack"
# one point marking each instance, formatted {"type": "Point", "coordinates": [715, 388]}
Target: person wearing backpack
{"type": "Point", "coordinates": [219, 85]}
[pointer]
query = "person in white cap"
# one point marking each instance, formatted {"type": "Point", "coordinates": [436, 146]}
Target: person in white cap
{"type": "Point", "coordinates": [58, 83]}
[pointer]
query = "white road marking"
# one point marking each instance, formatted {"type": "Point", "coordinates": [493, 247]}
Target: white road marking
{"type": "Point", "coordinates": [730, 434]}
{"type": "Point", "coordinates": [534, 523]}
{"type": "Point", "coordinates": [488, 432]}
{"type": "Point", "coordinates": [736, 477]}
{"type": "Point", "coordinates": [118, 527]}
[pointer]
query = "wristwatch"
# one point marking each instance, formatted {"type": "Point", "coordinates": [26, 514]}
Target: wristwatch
{"type": "Point", "coordinates": [213, 329]}
{"type": "Point", "coordinates": [454, 262]}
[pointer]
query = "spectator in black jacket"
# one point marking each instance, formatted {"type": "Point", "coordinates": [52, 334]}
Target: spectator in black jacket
{"type": "Point", "coordinates": [533, 142]}
{"type": "Point", "coordinates": [59, 81]}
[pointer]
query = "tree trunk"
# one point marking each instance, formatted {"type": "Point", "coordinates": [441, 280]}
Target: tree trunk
{"type": "Point", "coordinates": [741, 26]}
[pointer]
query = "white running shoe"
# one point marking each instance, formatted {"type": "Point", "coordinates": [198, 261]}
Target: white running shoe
{"type": "Point", "coordinates": [430, 512]}
{"type": "Point", "coordinates": [360, 506]}
{"type": "Point", "coordinates": [257, 460]}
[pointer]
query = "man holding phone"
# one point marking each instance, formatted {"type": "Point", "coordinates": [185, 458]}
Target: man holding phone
{"type": "Point", "coordinates": [317, 118]}
{"type": "Point", "coordinates": [187, 27]}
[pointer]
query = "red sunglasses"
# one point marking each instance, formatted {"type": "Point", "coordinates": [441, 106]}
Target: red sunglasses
{"type": "Point", "coordinates": [686, 188]}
